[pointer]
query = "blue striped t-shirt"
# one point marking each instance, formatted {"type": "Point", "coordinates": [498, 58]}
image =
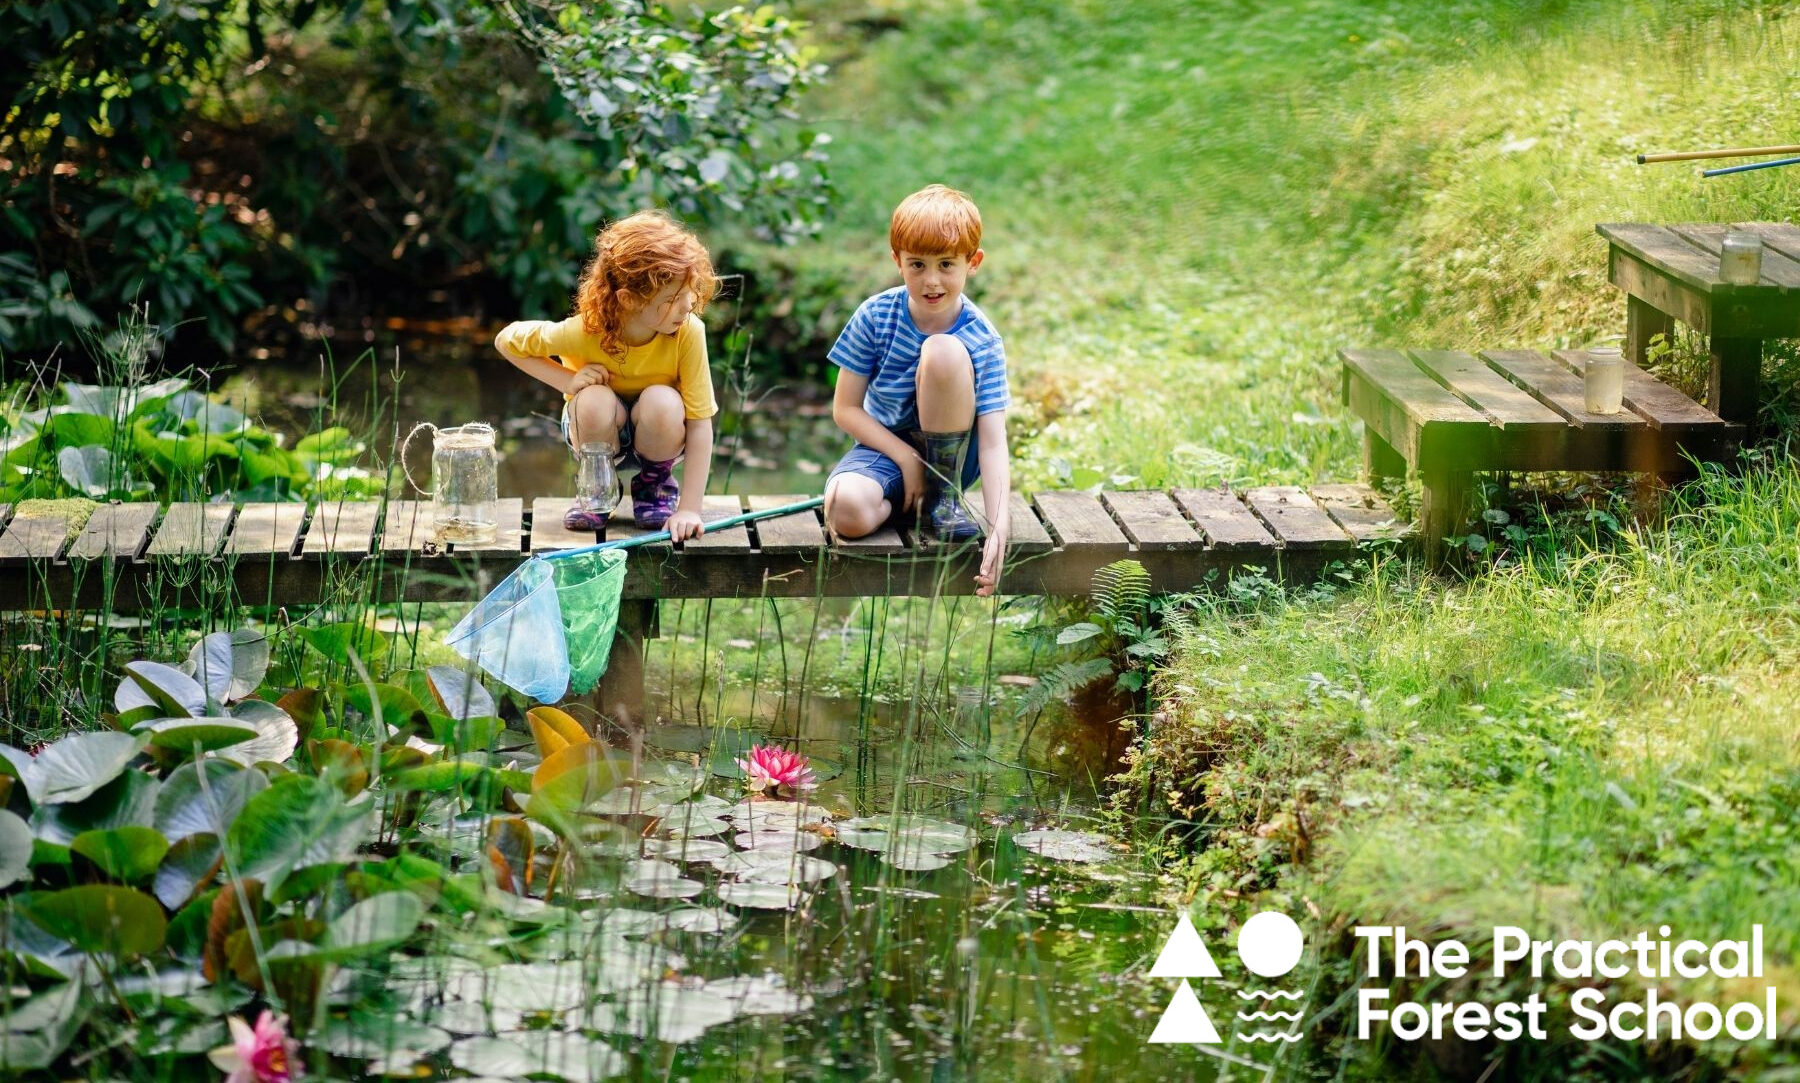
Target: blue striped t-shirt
{"type": "Point", "coordinates": [882, 343]}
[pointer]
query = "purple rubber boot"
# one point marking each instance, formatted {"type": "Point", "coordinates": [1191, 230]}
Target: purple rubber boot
{"type": "Point", "coordinates": [596, 489]}
{"type": "Point", "coordinates": [654, 492]}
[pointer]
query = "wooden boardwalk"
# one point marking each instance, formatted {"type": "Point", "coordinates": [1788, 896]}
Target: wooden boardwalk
{"type": "Point", "coordinates": [133, 557]}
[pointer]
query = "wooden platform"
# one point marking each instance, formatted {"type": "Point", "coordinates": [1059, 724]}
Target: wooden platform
{"type": "Point", "coordinates": [135, 557]}
{"type": "Point", "coordinates": [1450, 414]}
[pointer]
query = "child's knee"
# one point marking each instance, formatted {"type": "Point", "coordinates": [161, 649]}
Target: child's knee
{"type": "Point", "coordinates": [660, 406]}
{"type": "Point", "coordinates": [944, 357]}
{"type": "Point", "coordinates": [596, 414]}
{"type": "Point", "coordinates": [854, 506]}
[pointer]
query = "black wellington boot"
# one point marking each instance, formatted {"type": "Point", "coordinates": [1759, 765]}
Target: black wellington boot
{"type": "Point", "coordinates": [943, 507]}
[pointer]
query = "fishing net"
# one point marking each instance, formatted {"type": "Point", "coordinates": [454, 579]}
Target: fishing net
{"type": "Point", "coordinates": [588, 588]}
{"type": "Point", "coordinates": [515, 634]}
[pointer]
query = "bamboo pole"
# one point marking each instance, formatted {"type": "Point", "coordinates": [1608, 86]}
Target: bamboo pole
{"type": "Point", "coordinates": [1695, 155]}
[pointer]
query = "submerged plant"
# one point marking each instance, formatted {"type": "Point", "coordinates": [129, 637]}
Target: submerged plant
{"type": "Point", "coordinates": [770, 769]}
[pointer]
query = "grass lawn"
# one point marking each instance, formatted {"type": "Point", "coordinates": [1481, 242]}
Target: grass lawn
{"type": "Point", "coordinates": [1189, 208]}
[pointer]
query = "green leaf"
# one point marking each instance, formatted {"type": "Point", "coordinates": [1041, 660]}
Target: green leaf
{"type": "Point", "coordinates": [229, 665]}
{"type": "Point", "coordinates": [173, 691]}
{"type": "Point", "coordinates": [439, 776]}
{"type": "Point", "coordinates": [87, 469]}
{"type": "Point", "coordinates": [276, 739]}
{"type": "Point", "coordinates": [460, 694]}
{"type": "Point", "coordinates": [78, 430]}
{"type": "Point", "coordinates": [398, 706]}
{"type": "Point", "coordinates": [336, 641]}
{"type": "Point", "coordinates": [15, 848]}
{"type": "Point", "coordinates": [296, 822]}
{"type": "Point", "coordinates": [465, 735]}
{"type": "Point", "coordinates": [183, 809]}
{"type": "Point", "coordinates": [79, 764]}
{"type": "Point", "coordinates": [1076, 633]}
{"type": "Point", "coordinates": [184, 734]}
{"type": "Point", "coordinates": [127, 854]}
{"type": "Point", "coordinates": [38, 1030]}
{"type": "Point", "coordinates": [189, 865]}
{"type": "Point", "coordinates": [102, 918]}
{"type": "Point", "coordinates": [127, 801]}
{"type": "Point", "coordinates": [374, 924]}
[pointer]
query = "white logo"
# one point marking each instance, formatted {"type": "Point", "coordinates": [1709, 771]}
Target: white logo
{"type": "Point", "coordinates": [1269, 945]}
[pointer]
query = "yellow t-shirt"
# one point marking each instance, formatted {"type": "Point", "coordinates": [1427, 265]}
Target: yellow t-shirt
{"type": "Point", "coordinates": [677, 361]}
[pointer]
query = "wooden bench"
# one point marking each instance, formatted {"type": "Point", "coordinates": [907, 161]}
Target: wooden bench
{"type": "Point", "coordinates": [139, 557]}
{"type": "Point", "coordinates": [1449, 415]}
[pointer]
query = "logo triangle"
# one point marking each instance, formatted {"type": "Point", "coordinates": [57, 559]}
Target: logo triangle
{"type": "Point", "coordinates": [1184, 1021]}
{"type": "Point", "coordinates": [1184, 956]}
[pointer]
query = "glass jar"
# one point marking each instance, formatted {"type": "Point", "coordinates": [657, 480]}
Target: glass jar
{"type": "Point", "coordinates": [1603, 381]}
{"type": "Point", "coordinates": [465, 483]}
{"type": "Point", "coordinates": [1740, 258]}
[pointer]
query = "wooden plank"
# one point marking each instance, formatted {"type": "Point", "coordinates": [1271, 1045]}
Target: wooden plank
{"type": "Point", "coordinates": [115, 530]}
{"type": "Point", "coordinates": [547, 532]}
{"type": "Point", "coordinates": [796, 532]}
{"type": "Point", "coordinates": [1783, 237]}
{"type": "Point", "coordinates": [733, 539]}
{"type": "Point", "coordinates": [407, 527]}
{"type": "Point", "coordinates": [191, 530]}
{"type": "Point", "coordinates": [1361, 511]}
{"type": "Point", "coordinates": [1151, 520]}
{"type": "Point", "coordinates": [34, 536]}
{"type": "Point", "coordinates": [1223, 519]}
{"type": "Point", "coordinates": [1079, 522]}
{"type": "Point", "coordinates": [1411, 412]}
{"type": "Point", "coordinates": [1554, 385]}
{"type": "Point", "coordinates": [1661, 405]}
{"type": "Point", "coordinates": [509, 521]}
{"type": "Point", "coordinates": [1026, 534]}
{"type": "Point", "coordinates": [1779, 271]}
{"type": "Point", "coordinates": [344, 527]}
{"type": "Point", "coordinates": [1660, 248]}
{"type": "Point", "coordinates": [1294, 518]}
{"type": "Point", "coordinates": [266, 529]}
{"type": "Point", "coordinates": [1488, 391]}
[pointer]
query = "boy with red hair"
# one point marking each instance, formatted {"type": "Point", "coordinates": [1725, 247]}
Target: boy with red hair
{"type": "Point", "coordinates": [921, 370]}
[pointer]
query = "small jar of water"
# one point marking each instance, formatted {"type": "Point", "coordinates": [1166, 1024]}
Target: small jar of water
{"type": "Point", "coordinates": [1740, 258]}
{"type": "Point", "coordinates": [1603, 381]}
{"type": "Point", "coordinates": [465, 483]}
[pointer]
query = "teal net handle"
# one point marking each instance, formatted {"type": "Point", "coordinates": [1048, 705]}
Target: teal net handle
{"type": "Point", "coordinates": [663, 535]}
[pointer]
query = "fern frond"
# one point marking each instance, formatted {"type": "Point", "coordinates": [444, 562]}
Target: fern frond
{"type": "Point", "coordinates": [1062, 680]}
{"type": "Point", "coordinates": [1121, 591]}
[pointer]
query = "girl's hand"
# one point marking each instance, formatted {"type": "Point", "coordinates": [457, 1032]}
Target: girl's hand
{"type": "Point", "coordinates": [588, 376]}
{"type": "Point", "coordinates": [993, 555]}
{"type": "Point", "coordinates": [684, 525]}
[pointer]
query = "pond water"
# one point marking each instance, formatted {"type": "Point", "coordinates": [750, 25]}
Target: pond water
{"type": "Point", "coordinates": [998, 963]}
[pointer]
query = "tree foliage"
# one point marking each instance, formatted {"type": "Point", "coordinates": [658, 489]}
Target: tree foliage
{"type": "Point", "coordinates": [214, 158]}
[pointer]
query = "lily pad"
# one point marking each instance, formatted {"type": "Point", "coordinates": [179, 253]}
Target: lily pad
{"type": "Point", "coordinates": [685, 849]}
{"type": "Point", "coordinates": [459, 693]}
{"type": "Point", "coordinates": [378, 922]}
{"type": "Point", "coordinates": [785, 842]}
{"type": "Point", "coordinates": [172, 691]}
{"type": "Point", "coordinates": [781, 896]}
{"type": "Point", "coordinates": [791, 869]}
{"type": "Point", "coordinates": [299, 821]}
{"type": "Point", "coordinates": [470, 1017]}
{"type": "Point", "coordinates": [525, 987]}
{"type": "Point", "coordinates": [659, 887]}
{"type": "Point", "coordinates": [189, 864]}
{"type": "Point", "coordinates": [691, 827]}
{"type": "Point", "coordinates": [184, 808]}
{"type": "Point", "coordinates": [1080, 846]}
{"type": "Point", "coordinates": [208, 734]}
{"type": "Point", "coordinates": [666, 1011]}
{"type": "Point", "coordinates": [102, 918]}
{"type": "Point", "coordinates": [277, 735]}
{"type": "Point", "coordinates": [15, 848]}
{"type": "Point", "coordinates": [76, 766]}
{"type": "Point", "coordinates": [126, 854]}
{"type": "Point", "coordinates": [697, 919]}
{"type": "Point", "coordinates": [126, 801]}
{"type": "Point", "coordinates": [779, 815]}
{"type": "Point", "coordinates": [573, 1058]}
{"type": "Point", "coordinates": [915, 861]}
{"type": "Point", "coordinates": [229, 665]}
{"type": "Point", "coordinates": [759, 995]}
{"type": "Point", "coordinates": [372, 1035]}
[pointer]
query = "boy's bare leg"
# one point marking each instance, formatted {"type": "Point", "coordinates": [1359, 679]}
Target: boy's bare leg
{"type": "Point", "coordinates": [595, 415]}
{"type": "Point", "coordinates": [854, 506]}
{"type": "Point", "coordinates": [659, 421]}
{"type": "Point", "coordinates": [946, 383]}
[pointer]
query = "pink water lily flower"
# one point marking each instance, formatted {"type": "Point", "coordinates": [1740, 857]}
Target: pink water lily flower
{"type": "Point", "coordinates": [264, 1054]}
{"type": "Point", "coordinates": [769, 769]}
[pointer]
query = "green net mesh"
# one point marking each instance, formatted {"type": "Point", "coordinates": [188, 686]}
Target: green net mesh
{"type": "Point", "coordinates": [588, 589]}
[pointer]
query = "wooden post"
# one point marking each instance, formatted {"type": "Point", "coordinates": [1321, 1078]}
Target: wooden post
{"type": "Point", "coordinates": [1445, 498]}
{"type": "Point", "coordinates": [1731, 387]}
{"type": "Point", "coordinates": [1643, 322]}
{"type": "Point", "coordinates": [620, 694]}
{"type": "Point", "coordinates": [1380, 460]}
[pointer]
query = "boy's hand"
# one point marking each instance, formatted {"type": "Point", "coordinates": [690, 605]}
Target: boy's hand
{"type": "Point", "coordinates": [993, 555]}
{"type": "Point", "coordinates": [684, 525]}
{"type": "Point", "coordinates": [588, 376]}
{"type": "Point", "coordinates": [912, 481]}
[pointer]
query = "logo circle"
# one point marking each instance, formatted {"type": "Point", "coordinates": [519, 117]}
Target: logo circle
{"type": "Point", "coordinates": [1270, 944]}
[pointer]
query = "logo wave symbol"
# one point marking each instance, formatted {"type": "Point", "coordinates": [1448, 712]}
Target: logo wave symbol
{"type": "Point", "coordinates": [1260, 1036]}
{"type": "Point", "coordinates": [1288, 1017]}
{"type": "Point", "coordinates": [1268, 994]}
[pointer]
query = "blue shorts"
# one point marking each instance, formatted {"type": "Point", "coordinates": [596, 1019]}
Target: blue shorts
{"type": "Point", "coordinates": [866, 461]}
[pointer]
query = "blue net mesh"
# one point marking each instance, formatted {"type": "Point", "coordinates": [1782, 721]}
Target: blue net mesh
{"type": "Point", "coordinates": [515, 634]}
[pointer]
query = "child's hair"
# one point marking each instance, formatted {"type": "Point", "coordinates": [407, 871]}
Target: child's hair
{"type": "Point", "coordinates": [936, 218]}
{"type": "Point", "coordinates": [642, 254]}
